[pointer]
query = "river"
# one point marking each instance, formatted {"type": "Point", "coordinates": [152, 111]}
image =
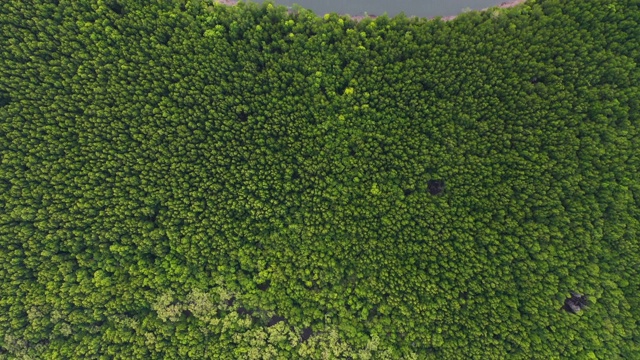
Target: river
{"type": "Point", "coordinates": [422, 8]}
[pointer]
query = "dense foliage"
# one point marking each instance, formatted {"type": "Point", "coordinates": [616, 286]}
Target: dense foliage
{"type": "Point", "coordinates": [182, 179]}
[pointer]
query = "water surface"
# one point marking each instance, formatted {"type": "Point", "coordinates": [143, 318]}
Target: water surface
{"type": "Point", "coordinates": [422, 8]}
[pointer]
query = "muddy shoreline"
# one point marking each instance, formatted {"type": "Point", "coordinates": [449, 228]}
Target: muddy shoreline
{"type": "Point", "coordinates": [504, 5]}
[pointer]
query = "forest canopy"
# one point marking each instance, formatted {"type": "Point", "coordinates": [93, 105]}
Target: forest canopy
{"type": "Point", "coordinates": [187, 180]}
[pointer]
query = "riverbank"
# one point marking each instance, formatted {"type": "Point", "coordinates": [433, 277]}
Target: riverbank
{"type": "Point", "coordinates": [504, 5]}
